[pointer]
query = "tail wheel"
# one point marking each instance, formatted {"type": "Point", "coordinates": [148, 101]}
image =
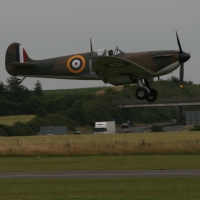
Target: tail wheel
{"type": "Point", "coordinates": [18, 81]}
{"type": "Point", "coordinates": [141, 93]}
{"type": "Point", "coordinates": [152, 96]}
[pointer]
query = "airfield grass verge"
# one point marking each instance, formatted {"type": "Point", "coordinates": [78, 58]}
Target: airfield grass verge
{"type": "Point", "coordinates": [99, 163]}
{"type": "Point", "coordinates": [112, 144]}
{"type": "Point", "coordinates": [155, 189]}
{"type": "Point", "coordinates": [100, 152]}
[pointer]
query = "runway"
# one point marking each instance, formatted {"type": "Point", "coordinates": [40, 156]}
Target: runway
{"type": "Point", "coordinates": [102, 174]}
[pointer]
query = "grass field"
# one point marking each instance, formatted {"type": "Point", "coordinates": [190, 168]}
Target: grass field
{"type": "Point", "coordinates": [113, 144]}
{"type": "Point", "coordinates": [137, 189]}
{"type": "Point", "coordinates": [63, 154]}
{"type": "Point", "coordinates": [10, 120]}
{"type": "Point", "coordinates": [100, 163]}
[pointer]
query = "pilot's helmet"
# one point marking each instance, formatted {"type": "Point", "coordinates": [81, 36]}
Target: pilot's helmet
{"type": "Point", "coordinates": [110, 52]}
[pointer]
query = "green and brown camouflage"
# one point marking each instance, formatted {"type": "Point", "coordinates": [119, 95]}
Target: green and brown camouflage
{"type": "Point", "coordinates": [58, 67]}
{"type": "Point", "coordinates": [118, 69]}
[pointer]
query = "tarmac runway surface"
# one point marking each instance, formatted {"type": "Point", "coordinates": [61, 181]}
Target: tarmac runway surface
{"type": "Point", "coordinates": [102, 174]}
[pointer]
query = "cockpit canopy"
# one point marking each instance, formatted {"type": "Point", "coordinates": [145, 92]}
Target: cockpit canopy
{"type": "Point", "coordinates": [103, 52]}
{"type": "Point", "coordinates": [100, 52]}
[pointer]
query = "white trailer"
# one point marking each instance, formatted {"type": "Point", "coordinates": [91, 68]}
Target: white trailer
{"type": "Point", "coordinates": [104, 127]}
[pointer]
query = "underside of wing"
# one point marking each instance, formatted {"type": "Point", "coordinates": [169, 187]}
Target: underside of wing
{"type": "Point", "coordinates": [117, 70]}
{"type": "Point", "coordinates": [22, 65]}
{"type": "Point", "coordinates": [89, 76]}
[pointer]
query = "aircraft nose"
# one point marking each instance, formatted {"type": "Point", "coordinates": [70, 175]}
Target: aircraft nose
{"type": "Point", "coordinates": [183, 57]}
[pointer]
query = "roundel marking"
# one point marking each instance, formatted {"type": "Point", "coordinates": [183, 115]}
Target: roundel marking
{"type": "Point", "coordinates": [76, 64]}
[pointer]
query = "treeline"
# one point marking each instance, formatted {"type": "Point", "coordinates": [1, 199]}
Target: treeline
{"type": "Point", "coordinates": [75, 110]}
{"type": "Point", "coordinates": [16, 99]}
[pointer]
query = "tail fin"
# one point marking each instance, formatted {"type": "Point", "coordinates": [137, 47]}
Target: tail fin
{"type": "Point", "coordinates": [16, 53]}
{"type": "Point", "coordinates": [16, 56]}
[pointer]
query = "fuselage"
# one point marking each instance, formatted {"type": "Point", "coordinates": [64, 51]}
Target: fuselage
{"type": "Point", "coordinates": [64, 68]}
{"type": "Point", "coordinates": [81, 66]}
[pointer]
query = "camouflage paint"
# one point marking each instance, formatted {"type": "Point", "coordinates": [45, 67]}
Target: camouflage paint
{"type": "Point", "coordinates": [122, 68]}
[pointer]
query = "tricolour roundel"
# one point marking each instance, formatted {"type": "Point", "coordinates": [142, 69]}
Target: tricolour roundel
{"type": "Point", "coordinates": [76, 64]}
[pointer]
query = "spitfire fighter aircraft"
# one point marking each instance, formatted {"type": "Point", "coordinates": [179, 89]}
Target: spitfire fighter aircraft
{"type": "Point", "coordinates": [117, 68]}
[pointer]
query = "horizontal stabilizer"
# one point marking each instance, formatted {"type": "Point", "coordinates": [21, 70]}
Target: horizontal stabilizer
{"type": "Point", "coordinates": [22, 65]}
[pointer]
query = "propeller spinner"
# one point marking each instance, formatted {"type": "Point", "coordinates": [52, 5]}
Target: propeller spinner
{"type": "Point", "coordinates": [183, 57]}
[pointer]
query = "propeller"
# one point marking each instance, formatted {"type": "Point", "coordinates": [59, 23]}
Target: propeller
{"type": "Point", "coordinates": [91, 48]}
{"type": "Point", "coordinates": [183, 57]}
{"type": "Point", "coordinates": [179, 44]}
{"type": "Point", "coordinates": [181, 75]}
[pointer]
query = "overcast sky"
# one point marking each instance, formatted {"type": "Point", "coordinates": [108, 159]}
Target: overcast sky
{"type": "Point", "coordinates": [52, 28]}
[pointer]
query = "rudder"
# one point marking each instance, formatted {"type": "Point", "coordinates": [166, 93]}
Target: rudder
{"type": "Point", "coordinates": [16, 53]}
{"type": "Point", "coordinates": [16, 57]}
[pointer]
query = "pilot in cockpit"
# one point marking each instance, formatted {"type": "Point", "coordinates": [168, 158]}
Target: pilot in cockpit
{"type": "Point", "coordinates": [110, 52]}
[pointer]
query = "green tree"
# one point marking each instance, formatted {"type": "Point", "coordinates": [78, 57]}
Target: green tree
{"type": "Point", "coordinates": [2, 132]}
{"type": "Point", "coordinates": [3, 91]}
{"type": "Point", "coordinates": [38, 89]}
{"type": "Point", "coordinates": [6, 129]}
{"type": "Point", "coordinates": [41, 112]}
{"type": "Point", "coordinates": [15, 91]}
{"type": "Point", "coordinates": [22, 129]}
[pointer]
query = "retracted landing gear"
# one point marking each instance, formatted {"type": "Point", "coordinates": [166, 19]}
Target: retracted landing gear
{"type": "Point", "coordinates": [147, 93]}
{"type": "Point", "coordinates": [18, 81]}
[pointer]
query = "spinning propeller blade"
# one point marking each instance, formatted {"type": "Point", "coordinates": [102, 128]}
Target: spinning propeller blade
{"type": "Point", "coordinates": [181, 75]}
{"type": "Point", "coordinates": [91, 48]}
{"type": "Point", "coordinates": [178, 41]}
{"type": "Point", "coordinates": [183, 57]}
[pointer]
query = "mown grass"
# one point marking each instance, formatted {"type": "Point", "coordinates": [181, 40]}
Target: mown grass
{"type": "Point", "coordinates": [100, 163]}
{"type": "Point", "coordinates": [10, 120]}
{"type": "Point", "coordinates": [63, 154]}
{"type": "Point", "coordinates": [62, 189]}
{"type": "Point", "coordinates": [112, 144]}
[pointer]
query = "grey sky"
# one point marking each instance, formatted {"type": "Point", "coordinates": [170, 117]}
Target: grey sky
{"type": "Point", "coordinates": [51, 28]}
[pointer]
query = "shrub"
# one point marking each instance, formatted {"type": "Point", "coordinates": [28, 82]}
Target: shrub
{"type": "Point", "coordinates": [195, 128]}
{"type": "Point", "coordinates": [22, 129]}
{"type": "Point", "coordinates": [2, 132]}
{"type": "Point", "coordinates": [157, 128]}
